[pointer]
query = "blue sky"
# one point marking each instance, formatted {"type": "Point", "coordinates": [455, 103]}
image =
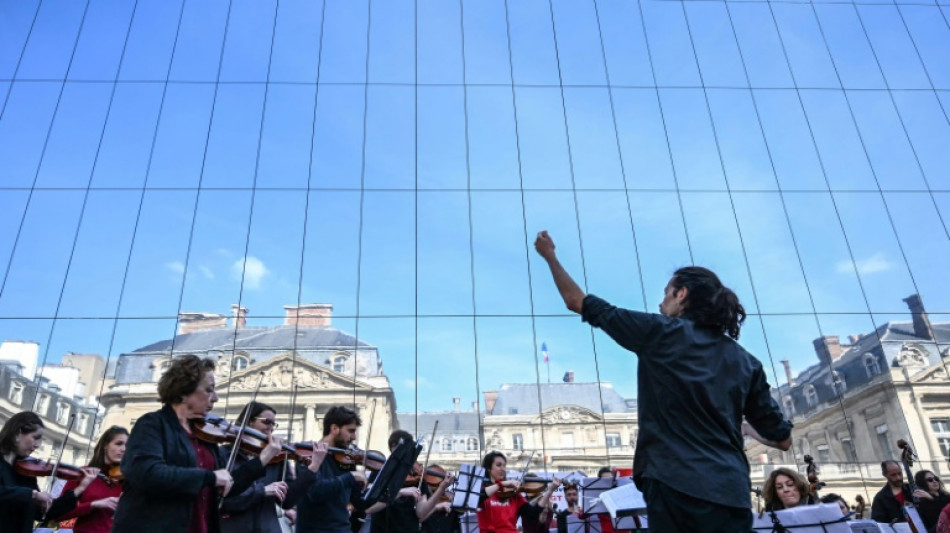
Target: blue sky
{"type": "Point", "coordinates": [723, 134]}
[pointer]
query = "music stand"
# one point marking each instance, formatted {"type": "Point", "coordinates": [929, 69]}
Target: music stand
{"type": "Point", "coordinates": [392, 476]}
{"type": "Point", "coordinates": [468, 487]}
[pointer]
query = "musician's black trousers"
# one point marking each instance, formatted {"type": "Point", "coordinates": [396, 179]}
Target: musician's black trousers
{"type": "Point", "coordinates": [670, 511]}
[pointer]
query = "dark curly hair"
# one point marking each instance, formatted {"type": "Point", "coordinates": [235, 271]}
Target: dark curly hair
{"type": "Point", "coordinates": [489, 460]}
{"type": "Point", "coordinates": [182, 378]}
{"type": "Point", "coordinates": [19, 424]}
{"type": "Point", "coordinates": [709, 303]}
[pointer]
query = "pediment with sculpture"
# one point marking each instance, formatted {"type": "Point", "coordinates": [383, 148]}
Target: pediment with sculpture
{"type": "Point", "coordinates": [568, 414]}
{"type": "Point", "coordinates": [282, 372]}
{"type": "Point", "coordinates": [913, 354]}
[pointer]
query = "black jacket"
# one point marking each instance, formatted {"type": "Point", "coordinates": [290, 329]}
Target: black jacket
{"type": "Point", "coordinates": [323, 498]}
{"type": "Point", "coordinates": [17, 510]}
{"type": "Point", "coordinates": [885, 507]}
{"type": "Point", "coordinates": [252, 511]}
{"type": "Point", "coordinates": [162, 477]}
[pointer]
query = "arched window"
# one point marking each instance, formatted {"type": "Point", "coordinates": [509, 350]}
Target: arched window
{"type": "Point", "coordinates": [517, 442]}
{"type": "Point", "coordinates": [471, 445]}
{"type": "Point", "coordinates": [870, 363]}
{"type": "Point", "coordinates": [240, 362]}
{"type": "Point", "coordinates": [837, 379]}
{"type": "Point", "coordinates": [811, 396]}
{"type": "Point", "coordinates": [339, 363]}
{"type": "Point", "coordinates": [446, 445]}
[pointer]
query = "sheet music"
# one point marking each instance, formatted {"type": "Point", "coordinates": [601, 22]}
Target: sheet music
{"type": "Point", "coordinates": [467, 487]}
{"type": "Point", "coordinates": [802, 515]}
{"type": "Point", "coordinates": [626, 500]}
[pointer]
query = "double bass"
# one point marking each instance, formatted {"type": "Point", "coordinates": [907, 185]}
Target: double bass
{"type": "Point", "coordinates": [910, 511]}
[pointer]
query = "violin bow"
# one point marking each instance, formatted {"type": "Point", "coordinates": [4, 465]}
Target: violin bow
{"type": "Point", "coordinates": [428, 453]}
{"type": "Point", "coordinates": [62, 450]}
{"type": "Point", "coordinates": [369, 430]}
{"type": "Point", "coordinates": [290, 426]}
{"type": "Point", "coordinates": [240, 435]}
{"type": "Point", "coordinates": [527, 465]}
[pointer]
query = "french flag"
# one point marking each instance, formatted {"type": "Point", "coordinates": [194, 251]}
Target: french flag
{"type": "Point", "coordinates": [544, 351]}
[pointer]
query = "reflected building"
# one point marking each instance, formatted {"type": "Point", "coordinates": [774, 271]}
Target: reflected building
{"type": "Point", "coordinates": [49, 397]}
{"type": "Point", "coordinates": [851, 407]}
{"type": "Point", "coordinates": [568, 426]}
{"type": "Point", "coordinates": [305, 355]}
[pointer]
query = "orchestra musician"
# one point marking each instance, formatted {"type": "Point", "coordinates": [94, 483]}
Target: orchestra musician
{"type": "Point", "coordinates": [572, 499]}
{"type": "Point", "coordinates": [831, 497]}
{"type": "Point", "coordinates": [696, 384]}
{"type": "Point", "coordinates": [93, 512]}
{"type": "Point", "coordinates": [327, 488]}
{"type": "Point", "coordinates": [173, 479]}
{"type": "Point", "coordinates": [536, 517]}
{"type": "Point", "coordinates": [784, 489]}
{"type": "Point", "coordinates": [888, 503]}
{"type": "Point", "coordinates": [932, 497]}
{"type": "Point", "coordinates": [443, 519]}
{"type": "Point", "coordinates": [21, 501]}
{"type": "Point", "coordinates": [411, 505]}
{"type": "Point", "coordinates": [501, 503]}
{"type": "Point", "coordinates": [255, 509]}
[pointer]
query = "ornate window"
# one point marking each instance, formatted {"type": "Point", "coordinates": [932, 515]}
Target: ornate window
{"type": "Point", "coordinates": [871, 365]}
{"type": "Point", "coordinates": [941, 429]}
{"type": "Point", "coordinates": [471, 445]}
{"type": "Point", "coordinates": [240, 362]}
{"type": "Point", "coordinates": [517, 442]}
{"type": "Point", "coordinates": [788, 405]}
{"type": "Point", "coordinates": [837, 379]}
{"type": "Point", "coordinates": [613, 440]}
{"type": "Point", "coordinates": [62, 412]}
{"type": "Point", "coordinates": [446, 445]}
{"type": "Point", "coordinates": [811, 396]}
{"type": "Point", "coordinates": [43, 405]}
{"type": "Point", "coordinates": [16, 392]}
{"type": "Point", "coordinates": [339, 363]}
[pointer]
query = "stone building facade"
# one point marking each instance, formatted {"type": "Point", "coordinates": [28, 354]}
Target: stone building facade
{"type": "Point", "coordinates": [304, 367]}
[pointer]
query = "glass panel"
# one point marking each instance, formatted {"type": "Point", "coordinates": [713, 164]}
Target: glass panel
{"type": "Point", "coordinates": [387, 282]}
{"type": "Point", "coordinates": [844, 159]}
{"type": "Point", "coordinates": [440, 42]}
{"type": "Point", "coordinates": [343, 57]}
{"type": "Point", "coordinates": [247, 50]}
{"type": "Point", "coordinates": [392, 46]}
{"type": "Point", "coordinates": [892, 47]}
{"type": "Point", "coordinates": [715, 44]}
{"type": "Point", "coordinates": [532, 43]}
{"type": "Point", "coordinates": [16, 17]}
{"type": "Point", "coordinates": [390, 147]}
{"type": "Point", "coordinates": [24, 128]}
{"type": "Point", "coordinates": [644, 144]}
{"type": "Point", "coordinates": [442, 137]}
{"type": "Point", "coordinates": [594, 157]}
{"type": "Point", "coordinates": [578, 43]}
{"type": "Point", "coordinates": [922, 234]}
{"type": "Point", "coordinates": [542, 139]}
{"type": "Point", "coordinates": [332, 250]}
{"type": "Point", "coordinates": [853, 58]}
{"type": "Point", "coordinates": [338, 137]}
{"type": "Point", "coordinates": [501, 274]}
{"type": "Point", "coordinates": [493, 145]}
{"type": "Point", "coordinates": [100, 46]}
{"type": "Point", "coordinates": [929, 35]}
{"type": "Point", "coordinates": [234, 140]}
{"type": "Point", "coordinates": [288, 127]}
{"type": "Point", "coordinates": [621, 27]}
{"type": "Point", "coordinates": [762, 48]}
{"type": "Point", "coordinates": [672, 56]}
{"type": "Point", "coordinates": [801, 37]}
{"type": "Point", "coordinates": [444, 259]}
{"type": "Point", "coordinates": [790, 140]}
{"type": "Point", "coordinates": [486, 41]}
{"type": "Point", "coordinates": [692, 140]}
{"type": "Point", "coordinates": [182, 138]}
{"type": "Point", "coordinates": [129, 135]}
{"type": "Point", "coordinates": [151, 41]}
{"type": "Point", "coordinates": [199, 42]}
{"type": "Point", "coordinates": [72, 144]}
{"type": "Point", "coordinates": [52, 40]}
{"type": "Point", "coordinates": [884, 137]}
{"type": "Point", "coordinates": [34, 276]}
{"type": "Point", "coordinates": [297, 43]}
{"type": "Point", "coordinates": [97, 268]}
{"type": "Point", "coordinates": [739, 134]}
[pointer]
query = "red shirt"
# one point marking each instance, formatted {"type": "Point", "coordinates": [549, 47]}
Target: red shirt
{"type": "Point", "coordinates": [88, 519]}
{"type": "Point", "coordinates": [900, 498]}
{"type": "Point", "coordinates": [500, 516]}
{"type": "Point", "coordinates": [206, 499]}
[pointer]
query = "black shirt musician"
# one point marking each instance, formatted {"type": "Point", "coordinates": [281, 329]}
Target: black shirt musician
{"type": "Point", "coordinates": [695, 386]}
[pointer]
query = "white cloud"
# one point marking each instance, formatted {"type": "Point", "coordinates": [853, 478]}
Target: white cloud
{"type": "Point", "coordinates": [412, 384]}
{"type": "Point", "coordinates": [253, 269]}
{"type": "Point", "coordinates": [176, 267]}
{"type": "Point", "coordinates": [206, 272]}
{"type": "Point", "coordinates": [871, 265]}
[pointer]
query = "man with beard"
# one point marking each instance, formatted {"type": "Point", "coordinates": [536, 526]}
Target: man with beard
{"type": "Point", "coordinates": [571, 499]}
{"type": "Point", "coordinates": [889, 502]}
{"type": "Point", "coordinates": [327, 488]}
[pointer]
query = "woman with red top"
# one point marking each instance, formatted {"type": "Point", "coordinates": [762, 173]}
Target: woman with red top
{"type": "Point", "coordinates": [501, 502]}
{"type": "Point", "coordinates": [93, 513]}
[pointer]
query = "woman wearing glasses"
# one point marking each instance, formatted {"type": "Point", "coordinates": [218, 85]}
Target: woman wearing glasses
{"type": "Point", "coordinates": [97, 503]}
{"type": "Point", "coordinates": [932, 498]}
{"type": "Point", "coordinates": [255, 509]}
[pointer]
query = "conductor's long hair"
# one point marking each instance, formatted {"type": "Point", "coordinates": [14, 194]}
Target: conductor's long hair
{"type": "Point", "coordinates": [709, 303]}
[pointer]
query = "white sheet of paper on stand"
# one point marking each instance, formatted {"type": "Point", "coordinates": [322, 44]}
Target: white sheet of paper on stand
{"type": "Point", "coordinates": [805, 514]}
{"type": "Point", "coordinates": [627, 500]}
{"type": "Point", "coordinates": [467, 487]}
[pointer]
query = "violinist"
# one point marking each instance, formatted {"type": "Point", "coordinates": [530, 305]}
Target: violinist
{"type": "Point", "coordinates": [536, 517]}
{"type": "Point", "coordinates": [443, 518]}
{"type": "Point", "coordinates": [255, 509]}
{"type": "Point", "coordinates": [784, 489]}
{"type": "Point", "coordinates": [888, 504]}
{"type": "Point", "coordinates": [500, 500]}
{"type": "Point", "coordinates": [411, 505]}
{"type": "Point", "coordinates": [173, 478]}
{"type": "Point", "coordinates": [94, 511]}
{"type": "Point", "coordinates": [328, 487]}
{"type": "Point", "coordinates": [831, 497]}
{"type": "Point", "coordinates": [21, 501]}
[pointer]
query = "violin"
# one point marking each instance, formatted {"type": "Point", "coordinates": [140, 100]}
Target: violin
{"type": "Point", "coordinates": [533, 486]}
{"type": "Point", "coordinates": [432, 477]}
{"type": "Point", "coordinates": [348, 458]}
{"type": "Point", "coordinates": [112, 476]}
{"type": "Point", "coordinates": [33, 467]}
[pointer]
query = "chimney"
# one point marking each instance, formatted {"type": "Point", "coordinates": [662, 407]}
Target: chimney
{"type": "Point", "coordinates": [190, 322]}
{"type": "Point", "coordinates": [569, 376]}
{"type": "Point", "coordinates": [788, 372]}
{"type": "Point", "coordinates": [308, 315]}
{"type": "Point", "coordinates": [854, 339]}
{"type": "Point", "coordinates": [922, 326]}
{"type": "Point", "coordinates": [828, 349]}
{"type": "Point", "coordinates": [474, 407]}
{"type": "Point", "coordinates": [239, 314]}
{"type": "Point", "coordinates": [491, 396]}
{"type": "Point", "coordinates": [458, 402]}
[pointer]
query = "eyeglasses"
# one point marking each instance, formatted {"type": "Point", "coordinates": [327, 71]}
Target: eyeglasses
{"type": "Point", "coordinates": [266, 421]}
{"type": "Point", "coordinates": [930, 479]}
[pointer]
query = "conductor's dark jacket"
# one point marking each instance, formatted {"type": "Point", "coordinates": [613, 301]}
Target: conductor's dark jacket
{"type": "Point", "coordinates": [162, 478]}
